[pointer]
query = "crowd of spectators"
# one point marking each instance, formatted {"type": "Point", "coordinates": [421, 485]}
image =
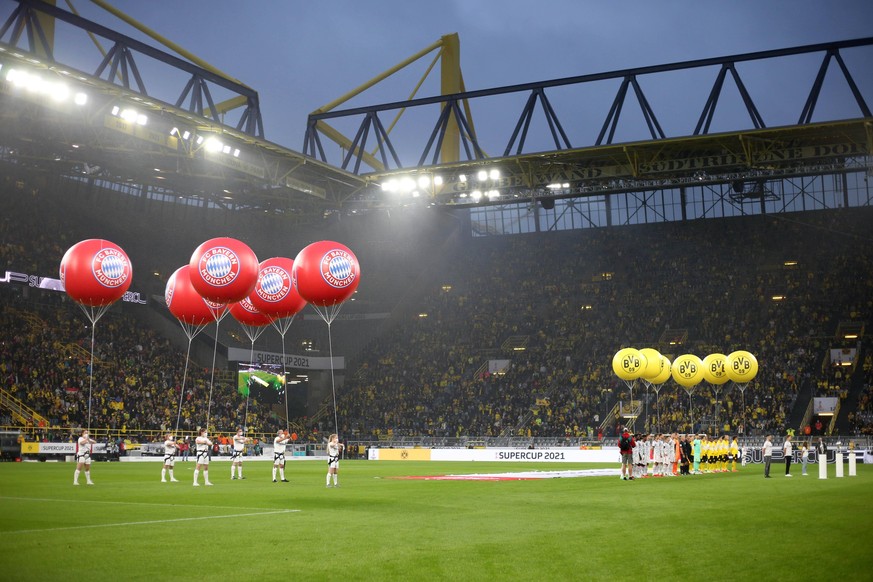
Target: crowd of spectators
{"type": "Point", "coordinates": [137, 375]}
{"type": "Point", "coordinates": [555, 305]}
{"type": "Point", "coordinates": [579, 297]}
{"type": "Point", "coordinates": [862, 418]}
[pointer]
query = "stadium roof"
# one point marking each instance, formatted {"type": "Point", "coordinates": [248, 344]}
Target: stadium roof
{"type": "Point", "coordinates": [121, 136]}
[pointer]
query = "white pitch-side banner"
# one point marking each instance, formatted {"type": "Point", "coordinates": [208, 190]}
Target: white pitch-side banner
{"type": "Point", "coordinates": [67, 448]}
{"type": "Point", "coordinates": [555, 455]}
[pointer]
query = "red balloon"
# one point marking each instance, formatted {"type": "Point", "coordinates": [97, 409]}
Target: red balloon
{"type": "Point", "coordinates": [224, 270]}
{"type": "Point", "coordinates": [326, 273]}
{"type": "Point", "coordinates": [247, 314]}
{"type": "Point", "coordinates": [185, 303]}
{"type": "Point", "coordinates": [96, 272]}
{"type": "Point", "coordinates": [274, 292]}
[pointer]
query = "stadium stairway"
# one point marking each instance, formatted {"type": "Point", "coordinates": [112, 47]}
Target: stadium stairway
{"type": "Point", "coordinates": [20, 412]}
{"type": "Point", "coordinates": [801, 404]}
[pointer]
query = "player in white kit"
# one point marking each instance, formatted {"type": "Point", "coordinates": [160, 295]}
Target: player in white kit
{"type": "Point", "coordinates": [640, 457]}
{"type": "Point", "coordinates": [83, 457]}
{"type": "Point", "coordinates": [202, 445]}
{"type": "Point", "coordinates": [236, 455]}
{"type": "Point", "coordinates": [279, 445]}
{"type": "Point", "coordinates": [170, 449]}
{"type": "Point", "coordinates": [334, 448]}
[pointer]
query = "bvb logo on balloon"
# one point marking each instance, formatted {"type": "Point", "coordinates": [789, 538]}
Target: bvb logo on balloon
{"type": "Point", "coordinates": [653, 364]}
{"type": "Point", "coordinates": [219, 266]}
{"type": "Point", "coordinates": [741, 366]}
{"type": "Point", "coordinates": [631, 364]}
{"type": "Point", "coordinates": [337, 268]}
{"type": "Point", "coordinates": [687, 370]}
{"type": "Point", "coordinates": [714, 370]}
{"type": "Point", "coordinates": [628, 364]}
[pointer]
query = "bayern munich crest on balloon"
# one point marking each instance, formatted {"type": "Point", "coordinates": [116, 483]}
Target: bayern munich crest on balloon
{"type": "Point", "coordinates": [274, 284]}
{"type": "Point", "coordinates": [110, 267]}
{"type": "Point", "coordinates": [219, 266]}
{"type": "Point", "coordinates": [213, 304]}
{"type": "Point", "coordinates": [337, 268]}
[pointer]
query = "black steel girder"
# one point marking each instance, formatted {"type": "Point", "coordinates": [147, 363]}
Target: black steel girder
{"type": "Point", "coordinates": [630, 78]}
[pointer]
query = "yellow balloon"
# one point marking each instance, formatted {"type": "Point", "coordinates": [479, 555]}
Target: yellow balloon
{"type": "Point", "coordinates": [714, 369]}
{"type": "Point", "coordinates": [628, 364]}
{"type": "Point", "coordinates": [741, 366]}
{"type": "Point", "coordinates": [653, 363]}
{"type": "Point", "coordinates": [665, 373]}
{"type": "Point", "coordinates": [687, 370]}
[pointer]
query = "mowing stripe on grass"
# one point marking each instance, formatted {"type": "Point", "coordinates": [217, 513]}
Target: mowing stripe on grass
{"type": "Point", "coordinates": [152, 522]}
{"type": "Point", "coordinates": [175, 505]}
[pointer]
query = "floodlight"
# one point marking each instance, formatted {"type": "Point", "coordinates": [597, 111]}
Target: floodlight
{"type": "Point", "coordinates": [58, 91]}
{"type": "Point", "coordinates": [213, 144]}
{"type": "Point", "coordinates": [407, 184]}
{"type": "Point", "coordinates": [494, 174]}
{"type": "Point", "coordinates": [482, 175]}
{"type": "Point", "coordinates": [423, 182]}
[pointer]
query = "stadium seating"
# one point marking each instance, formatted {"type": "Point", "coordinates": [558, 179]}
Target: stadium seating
{"type": "Point", "coordinates": [556, 305]}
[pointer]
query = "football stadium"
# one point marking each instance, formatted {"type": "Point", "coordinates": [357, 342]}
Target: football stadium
{"type": "Point", "coordinates": [462, 333]}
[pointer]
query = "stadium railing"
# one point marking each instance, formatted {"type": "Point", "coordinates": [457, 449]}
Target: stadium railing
{"type": "Point", "coordinates": [132, 439]}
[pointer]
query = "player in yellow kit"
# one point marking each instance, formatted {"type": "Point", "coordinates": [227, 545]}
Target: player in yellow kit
{"type": "Point", "coordinates": [735, 453]}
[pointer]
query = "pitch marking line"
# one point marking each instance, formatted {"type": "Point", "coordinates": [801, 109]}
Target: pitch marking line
{"type": "Point", "coordinates": [174, 505]}
{"type": "Point", "coordinates": [522, 476]}
{"type": "Point", "coordinates": [130, 523]}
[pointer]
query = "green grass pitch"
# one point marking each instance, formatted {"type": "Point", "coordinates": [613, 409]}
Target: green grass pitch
{"type": "Point", "coordinates": [130, 526]}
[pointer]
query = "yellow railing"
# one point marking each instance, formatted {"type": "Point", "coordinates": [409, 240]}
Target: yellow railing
{"type": "Point", "coordinates": [132, 439]}
{"type": "Point", "coordinates": [20, 412]}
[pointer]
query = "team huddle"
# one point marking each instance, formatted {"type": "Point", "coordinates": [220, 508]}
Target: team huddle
{"type": "Point", "coordinates": [668, 455]}
{"type": "Point", "coordinates": [203, 447]}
